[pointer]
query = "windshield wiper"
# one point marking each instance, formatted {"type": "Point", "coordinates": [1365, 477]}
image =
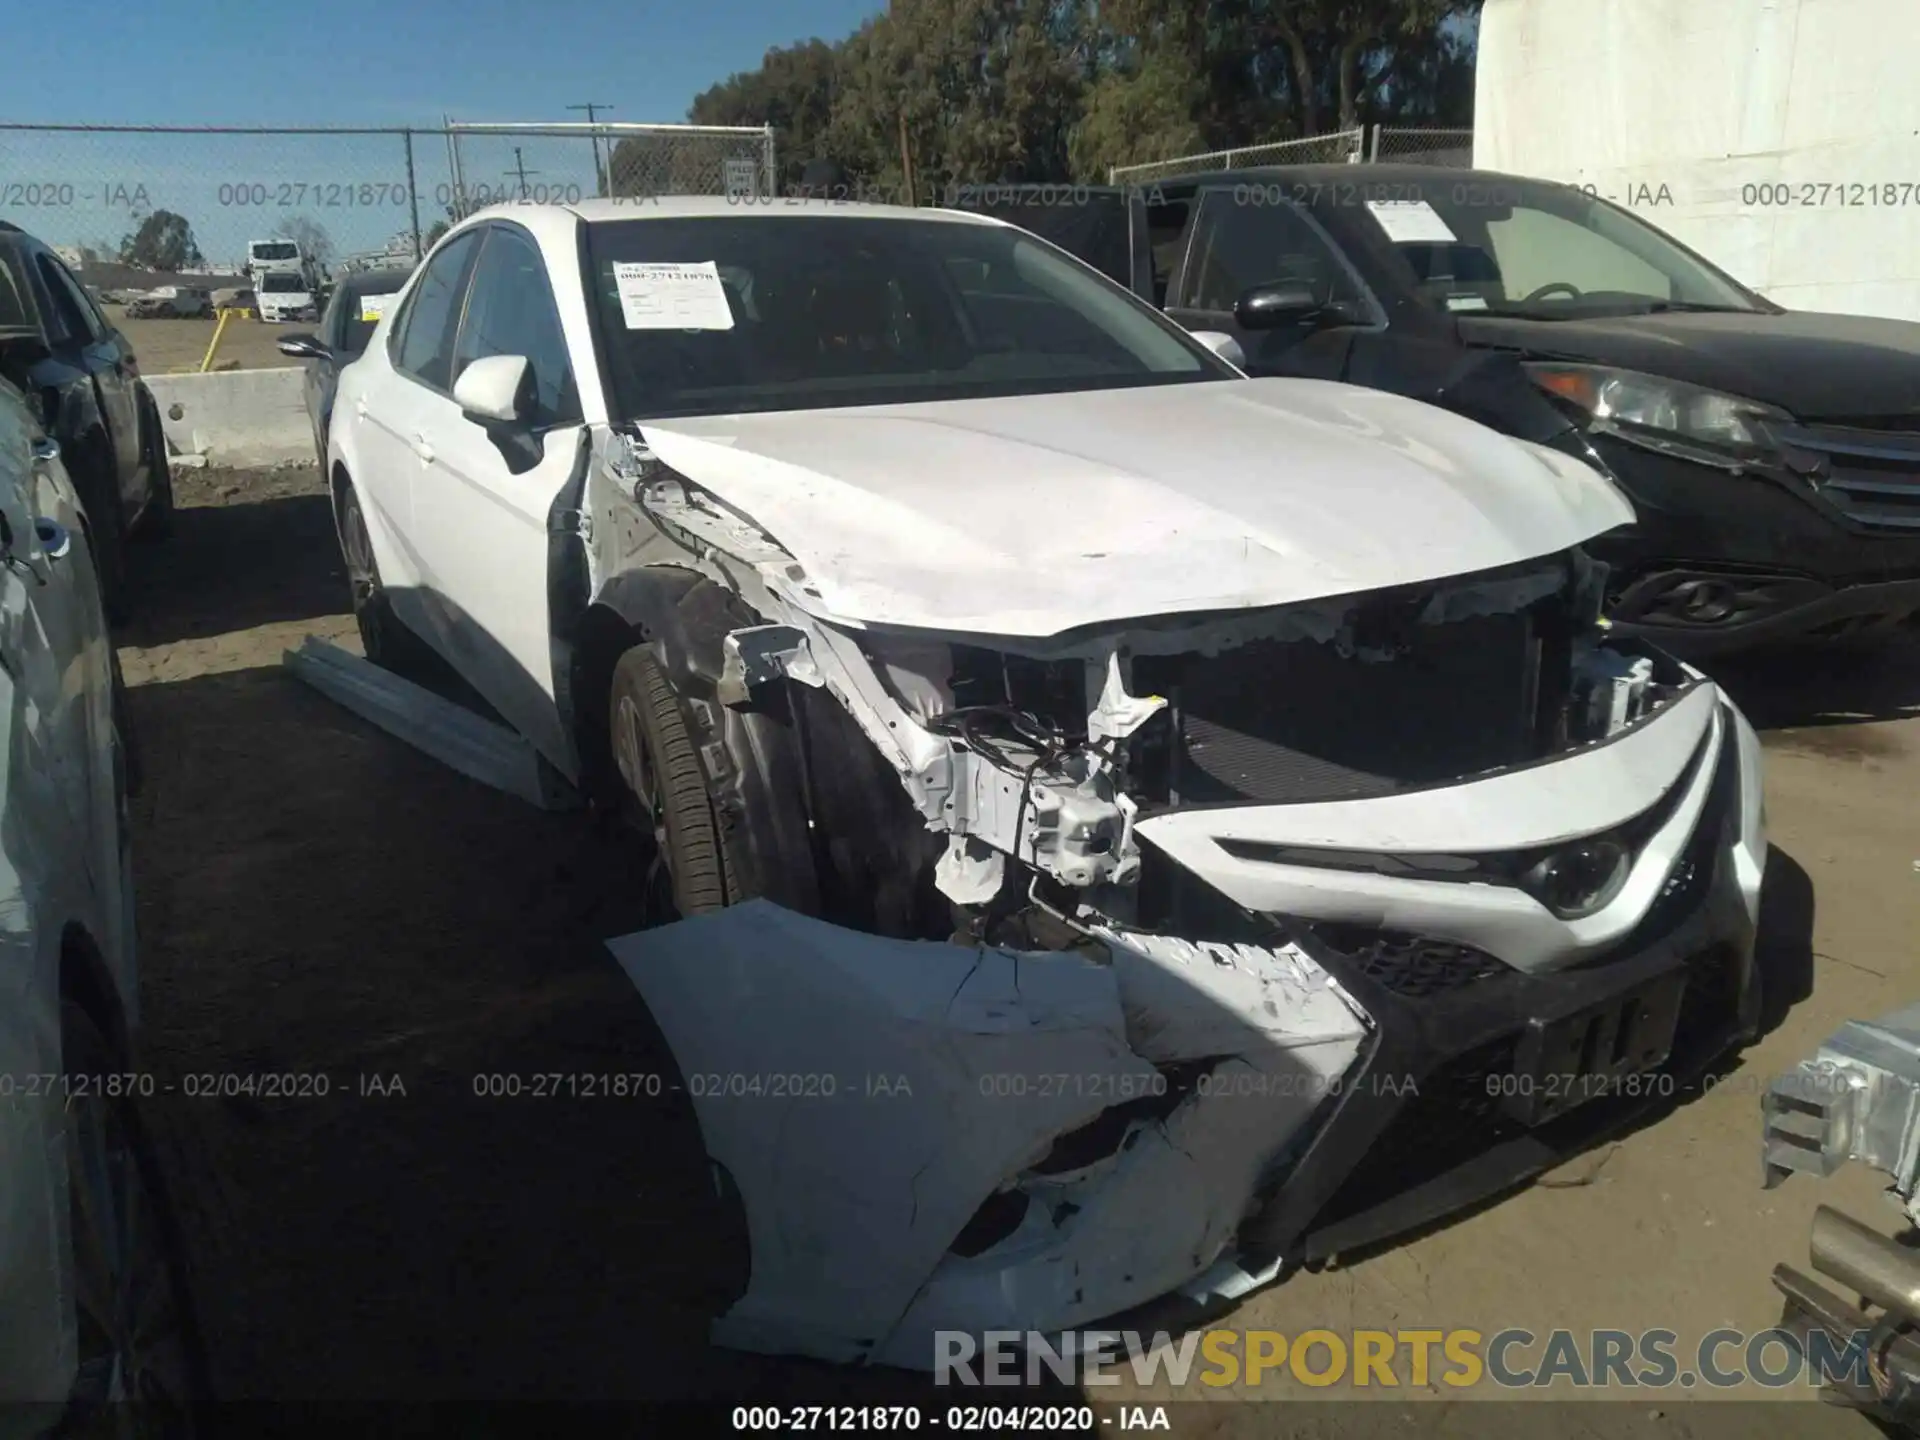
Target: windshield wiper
{"type": "Point", "coordinates": [1661, 307]}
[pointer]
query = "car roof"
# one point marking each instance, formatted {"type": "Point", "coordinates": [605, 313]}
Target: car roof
{"type": "Point", "coordinates": [554, 224]}
{"type": "Point", "coordinates": [373, 282]}
{"type": "Point", "coordinates": [1435, 176]}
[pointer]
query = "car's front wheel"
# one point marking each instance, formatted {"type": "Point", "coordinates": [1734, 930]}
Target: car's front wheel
{"type": "Point", "coordinates": [142, 1370]}
{"type": "Point", "coordinates": [665, 790]}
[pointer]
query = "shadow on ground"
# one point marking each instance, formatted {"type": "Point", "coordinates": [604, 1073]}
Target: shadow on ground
{"type": "Point", "coordinates": [1830, 685]}
{"type": "Point", "coordinates": [425, 1140]}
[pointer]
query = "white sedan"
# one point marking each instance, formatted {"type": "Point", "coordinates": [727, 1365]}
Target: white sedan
{"type": "Point", "coordinates": [905, 580]}
{"type": "Point", "coordinates": [92, 1294]}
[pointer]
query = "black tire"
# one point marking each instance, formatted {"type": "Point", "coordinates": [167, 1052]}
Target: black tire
{"type": "Point", "coordinates": [666, 787]}
{"type": "Point", "coordinates": [386, 642]}
{"type": "Point", "coordinates": [142, 1361]}
{"type": "Point", "coordinates": [156, 521]}
{"type": "Point", "coordinates": [133, 766]}
{"type": "Point", "coordinates": [107, 530]}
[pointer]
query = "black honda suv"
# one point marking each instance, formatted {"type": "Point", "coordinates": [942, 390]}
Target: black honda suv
{"type": "Point", "coordinates": [1772, 456]}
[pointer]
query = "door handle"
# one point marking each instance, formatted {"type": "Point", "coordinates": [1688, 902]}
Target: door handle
{"type": "Point", "coordinates": [423, 449]}
{"type": "Point", "coordinates": [56, 541]}
{"type": "Point", "coordinates": [360, 408]}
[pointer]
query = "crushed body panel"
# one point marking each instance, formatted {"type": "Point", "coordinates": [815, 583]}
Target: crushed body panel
{"type": "Point", "coordinates": [920, 1080]}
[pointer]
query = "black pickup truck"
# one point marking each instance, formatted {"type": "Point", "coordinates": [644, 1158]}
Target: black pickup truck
{"type": "Point", "coordinates": [1773, 456]}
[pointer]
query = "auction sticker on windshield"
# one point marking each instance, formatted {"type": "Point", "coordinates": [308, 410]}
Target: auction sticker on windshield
{"type": "Point", "coordinates": [657, 296]}
{"type": "Point", "coordinates": [1411, 222]}
{"type": "Point", "coordinates": [372, 307]}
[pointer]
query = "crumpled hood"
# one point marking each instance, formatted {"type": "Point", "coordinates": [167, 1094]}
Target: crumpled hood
{"type": "Point", "coordinates": [1045, 513]}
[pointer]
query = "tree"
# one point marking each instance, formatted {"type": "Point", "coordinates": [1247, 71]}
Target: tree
{"type": "Point", "coordinates": [793, 90]}
{"type": "Point", "coordinates": [164, 241]}
{"type": "Point", "coordinates": [310, 235]}
{"type": "Point", "coordinates": [434, 232]}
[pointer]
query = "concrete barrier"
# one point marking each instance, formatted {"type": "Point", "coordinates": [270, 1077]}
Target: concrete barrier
{"type": "Point", "coordinates": [236, 417]}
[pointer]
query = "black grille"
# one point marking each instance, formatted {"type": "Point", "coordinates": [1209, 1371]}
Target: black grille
{"type": "Point", "coordinates": [1409, 965]}
{"type": "Point", "coordinates": [1453, 1116]}
{"type": "Point", "coordinates": [1873, 476]}
{"type": "Point", "coordinates": [1456, 1116]}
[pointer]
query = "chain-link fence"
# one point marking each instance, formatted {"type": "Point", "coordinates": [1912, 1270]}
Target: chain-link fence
{"type": "Point", "coordinates": [1406, 146]}
{"type": "Point", "coordinates": [1401, 144]}
{"type": "Point", "coordinates": [566, 163]}
{"type": "Point", "coordinates": [1341, 147]}
{"type": "Point", "coordinates": [124, 202]}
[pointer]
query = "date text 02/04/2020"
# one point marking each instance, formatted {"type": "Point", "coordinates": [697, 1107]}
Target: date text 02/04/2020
{"type": "Point", "coordinates": [963, 1419]}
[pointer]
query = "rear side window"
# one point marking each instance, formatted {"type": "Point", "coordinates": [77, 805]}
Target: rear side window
{"type": "Point", "coordinates": [1166, 227]}
{"type": "Point", "coordinates": [76, 315]}
{"type": "Point", "coordinates": [14, 313]}
{"type": "Point", "coordinates": [424, 344]}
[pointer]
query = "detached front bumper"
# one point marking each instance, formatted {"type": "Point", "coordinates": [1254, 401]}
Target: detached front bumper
{"type": "Point", "coordinates": [931, 1138]}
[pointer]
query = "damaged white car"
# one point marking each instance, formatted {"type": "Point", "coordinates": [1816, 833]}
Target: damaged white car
{"type": "Point", "coordinates": [1136, 827]}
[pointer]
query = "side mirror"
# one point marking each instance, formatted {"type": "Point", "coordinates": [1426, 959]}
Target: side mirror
{"type": "Point", "coordinates": [495, 390]}
{"type": "Point", "coordinates": [1223, 345]}
{"type": "Point", "coordinates": [303, 347]}
{"type": "Point", "coordinates": [1268, 307]}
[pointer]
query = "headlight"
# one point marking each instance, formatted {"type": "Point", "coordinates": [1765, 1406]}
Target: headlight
{"type": "Point", "coordinates": [1670, 416]}
{"type": "Point", "coordinates": [1580, 879]}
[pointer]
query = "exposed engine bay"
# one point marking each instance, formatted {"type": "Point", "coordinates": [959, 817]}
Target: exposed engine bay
{"type": "Point", "coordinates": [1039, 764]}
{"type": "Point", "coordinates": [1153, 919]}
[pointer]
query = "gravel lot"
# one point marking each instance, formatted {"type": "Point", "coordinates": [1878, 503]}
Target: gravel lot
{"type": "Point", "coordinates": [167, 345]}
{"type": "Point", "coordinates": [316, 898]}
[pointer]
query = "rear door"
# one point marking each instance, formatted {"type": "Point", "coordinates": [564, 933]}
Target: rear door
{"type": "Point", "coordinates": [98, 349]}
{"type": "Point", "coordinates": [392, 407]}
{"type": "Point", "coordinates": [1237, 243]}
{"type": "Point", "coordinates": [483, 500]}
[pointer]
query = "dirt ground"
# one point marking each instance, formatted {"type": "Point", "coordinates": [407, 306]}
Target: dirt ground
{"type": "Point", "coordinates": [319, 900]}
{"type": "Point", "coordinates": [165, 346]}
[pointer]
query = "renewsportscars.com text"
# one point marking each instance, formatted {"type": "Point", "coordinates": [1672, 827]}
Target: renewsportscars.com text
{"type": "Point", "coordinates": [1459, 1359]}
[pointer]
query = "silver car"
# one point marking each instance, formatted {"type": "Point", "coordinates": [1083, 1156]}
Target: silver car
{"type": "Point", "coordinates": [91, 1289]}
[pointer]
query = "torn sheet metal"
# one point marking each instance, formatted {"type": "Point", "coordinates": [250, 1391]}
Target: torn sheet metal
{"type": "Point", "coordinates": [868, 1095]}
{"type": "Point", "coordinates": [861, 1093]}
{"type": "Point", "coordinates": [450, 733]}
{"type": "Point", "coordinates": [759, 653]}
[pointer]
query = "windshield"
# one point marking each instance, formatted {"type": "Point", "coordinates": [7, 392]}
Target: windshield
{"type": "Point", "coordinates": [283, 284]}
{"type": "Point", "coordinates": [1546, 252]}
{"type": "Point", "coordinates": [767, 312]}
{"type": "Point", "coordinates": [276, 252]}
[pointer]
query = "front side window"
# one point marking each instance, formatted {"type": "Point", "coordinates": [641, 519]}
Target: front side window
{"type": "Point", "coordinates": [809, 311]}
{"type": "Point", "coordinates": [1544, 251]}
{"type": "Point", "coordinates": [510, 311]}
{"type": "Point", "coordinates": [1238, 247]}
{"type": "Point", "coordinates": [425, 339]}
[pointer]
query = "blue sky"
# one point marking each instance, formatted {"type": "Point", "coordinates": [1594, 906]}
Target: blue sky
{"type": "Point", "coordinates": [345, 62]}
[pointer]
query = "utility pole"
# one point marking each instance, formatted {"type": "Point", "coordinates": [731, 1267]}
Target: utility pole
{"type": "Point", "coordinates": [602, 180]}
{"type": "Point", "coordinates": [520, 169]}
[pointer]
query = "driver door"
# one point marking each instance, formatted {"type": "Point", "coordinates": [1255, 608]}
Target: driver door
{"type": "Point", "coordinates": [484, 495]}
{"type": "Point", "coordinates": [1250, 236]}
